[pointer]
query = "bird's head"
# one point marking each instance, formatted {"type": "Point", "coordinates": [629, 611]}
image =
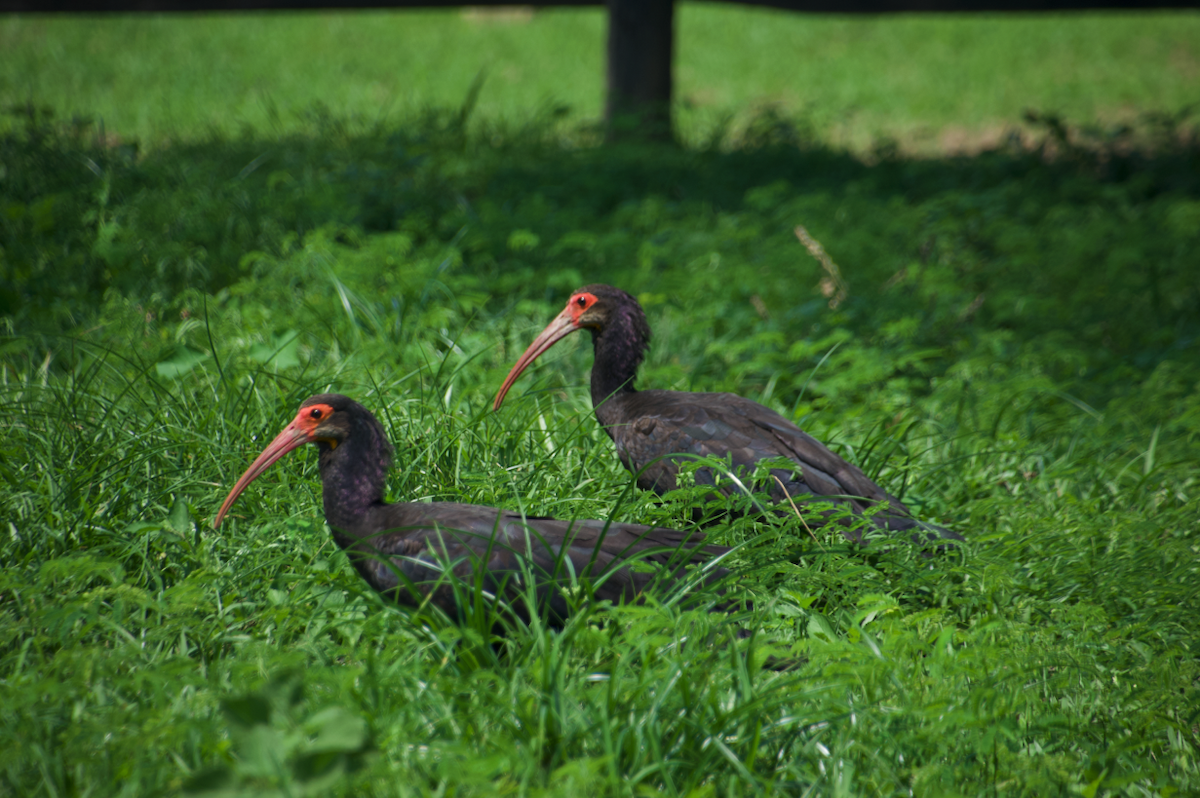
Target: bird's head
{"type": "Point", "coordinates": [324, 419]}
{"type": "Point", "coordinates": [593, 307]}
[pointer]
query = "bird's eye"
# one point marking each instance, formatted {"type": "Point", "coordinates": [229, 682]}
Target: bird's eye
{"type": "Point", "coordinates": [316, 412]}
{"type": "Point", "coordinates": [581, 302]}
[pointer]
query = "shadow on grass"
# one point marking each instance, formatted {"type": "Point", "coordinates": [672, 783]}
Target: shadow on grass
{"type": "Point", "coordinates": [1090, 231]}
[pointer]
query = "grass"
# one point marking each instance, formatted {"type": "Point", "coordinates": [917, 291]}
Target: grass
{"type": "Point", "coordinates": [1014, 355]}
{"type": "Point", "coordinates": [930, 82]}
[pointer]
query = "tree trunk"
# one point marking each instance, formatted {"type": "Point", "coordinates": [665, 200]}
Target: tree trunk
{"type": "Point", "coordinates": [641, 44]}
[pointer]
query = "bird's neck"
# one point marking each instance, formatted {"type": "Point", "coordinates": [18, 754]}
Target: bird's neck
{"type": "Point", "coordinates": [353, 475]}
{"type": "Point", "coordinates": [619, 349]}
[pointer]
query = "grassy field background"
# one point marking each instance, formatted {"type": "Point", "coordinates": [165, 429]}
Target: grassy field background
{"type": "Point", "coordinates": [1014, 352]}
{"type": "Point", "coordinates": [928, 80]}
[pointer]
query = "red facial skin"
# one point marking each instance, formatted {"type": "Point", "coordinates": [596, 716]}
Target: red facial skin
{"type": "Point", "coordinates": [302, 430]}
{"type": "Point", "coordinates": [565, 323]}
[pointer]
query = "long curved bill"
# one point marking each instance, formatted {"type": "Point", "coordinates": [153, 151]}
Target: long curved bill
{"type": "Point", "coordinates": [562, 326]}
{"type": "Point", "coordinates": [292, 437]}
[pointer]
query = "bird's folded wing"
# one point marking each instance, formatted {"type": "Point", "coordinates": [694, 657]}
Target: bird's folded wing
{"type": "Point", "coordinates": [727, 425]}
{"type": "Point", "coordinates": [425, 544]}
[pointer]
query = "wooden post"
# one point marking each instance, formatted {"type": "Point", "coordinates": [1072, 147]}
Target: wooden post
{"type": "Point", "coordinates": [641, 45]}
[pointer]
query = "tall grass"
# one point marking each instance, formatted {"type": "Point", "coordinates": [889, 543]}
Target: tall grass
{"type": "Point", "coordinates": [1014, 356]}
{"type": "Point", "coordinates": [146, 652]}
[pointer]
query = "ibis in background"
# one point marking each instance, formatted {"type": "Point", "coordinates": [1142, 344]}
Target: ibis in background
{"type": "Point", "coordinates": [652, 428]}
{"type": "Point", "coordinates": [412, 552]}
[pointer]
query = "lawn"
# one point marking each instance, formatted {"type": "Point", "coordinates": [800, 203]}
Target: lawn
{"type": "Point", "coordinates": [928, 81]}
{"type": "Point", "coordinates": [1014, 353]}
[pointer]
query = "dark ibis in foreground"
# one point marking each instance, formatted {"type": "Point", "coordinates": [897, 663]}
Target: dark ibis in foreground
{"type": "Point", "coordinates": [409, 551]}
{"type": "Point", "coordinates": [648, 427]}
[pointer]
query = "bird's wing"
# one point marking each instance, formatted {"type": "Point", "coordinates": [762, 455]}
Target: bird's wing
{"type": "Point", "coordinates": [425, 548]}
{"type": "Point", "coordinates": [657, 424]}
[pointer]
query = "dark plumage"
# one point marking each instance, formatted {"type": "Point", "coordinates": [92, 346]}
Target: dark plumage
{"type": "Point", "coordinates": [400, 549]}
{"type": "Point", "coordinates": [649, 426]}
